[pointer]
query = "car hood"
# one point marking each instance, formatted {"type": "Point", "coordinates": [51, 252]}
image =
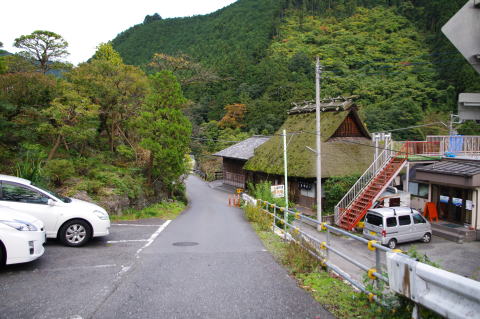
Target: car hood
{"type": "Point", "coordinates": [83, 205]}
{"type": "Point", "coordinates": [9, 214]}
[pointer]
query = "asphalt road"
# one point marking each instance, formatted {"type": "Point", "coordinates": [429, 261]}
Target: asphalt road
{"type": "Point", "coordinates": [144, 270]}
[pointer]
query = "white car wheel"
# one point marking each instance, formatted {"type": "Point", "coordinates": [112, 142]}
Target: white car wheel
{"type": "Point", "coordinates": [75, 233]}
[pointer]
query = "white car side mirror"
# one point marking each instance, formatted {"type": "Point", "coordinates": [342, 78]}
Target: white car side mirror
{"type": "Point", "coordinates": [51, 202]}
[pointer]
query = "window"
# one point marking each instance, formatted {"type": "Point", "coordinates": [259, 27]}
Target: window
{"type": "Point", "coordinates": [418, 219]}
{"type": "Point", "coordinates": [374, 219]}
{"type": "Point", "coordinates": [404, 220]}
{"type": "Point", "coordinates": [418, 189]}
{"type": "Point", "coordinates": [17, 193]}
{"type": "Point", "coordinates": [307, 189]}
{"type": "Point", "coordinates": [391, 221]}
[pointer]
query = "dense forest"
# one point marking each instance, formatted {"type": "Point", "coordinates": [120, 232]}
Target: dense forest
{"type": "Point", "coordinates": [391, 53]}
{"type": "Point", "coordinates": [117, 127]}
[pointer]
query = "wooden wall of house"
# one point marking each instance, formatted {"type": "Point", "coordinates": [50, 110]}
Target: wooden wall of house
{"type": "Point", "coordinates": [349, 128]}
{"type": "Point", "coordinates": [233, 172]}
{"type": "Point", "coordinates": [233, 165]}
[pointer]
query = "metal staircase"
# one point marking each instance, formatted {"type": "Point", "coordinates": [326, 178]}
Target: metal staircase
{"type": "Point", "coordinates": [354, 205]}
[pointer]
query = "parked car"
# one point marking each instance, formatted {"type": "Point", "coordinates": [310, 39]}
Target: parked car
{"type": "Point", "coordinates": [21, 237]}
{"type": "Point", "coordinates": [74, 222]}
{"type": "Point", "coordinates": [394, 225]}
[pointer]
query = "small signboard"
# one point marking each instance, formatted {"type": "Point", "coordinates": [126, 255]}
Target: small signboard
{"type": "Point", "coordinates": [278, 191]}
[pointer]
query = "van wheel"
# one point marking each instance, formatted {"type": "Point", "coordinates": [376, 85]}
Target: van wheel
{"type": "Point", "coordinates": [427, 238]}
{"type": "Point", "coordinates": [392, 243]}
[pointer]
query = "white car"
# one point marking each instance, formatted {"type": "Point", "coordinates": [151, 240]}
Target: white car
{"type": "Point", "coordinates": [74, 222]}
{"type": "Point", "coordinates": [21, 237]}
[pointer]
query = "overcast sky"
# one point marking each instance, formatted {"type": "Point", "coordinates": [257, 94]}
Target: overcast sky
{"type": "Point", "coordinates": [87, 23]}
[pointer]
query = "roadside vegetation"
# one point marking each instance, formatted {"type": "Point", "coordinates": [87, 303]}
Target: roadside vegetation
{"type": "Point", "coordinates": [103, 131]}
{"type": "Point", "coordinates": [164, 210]}
{"type": "Point", "coordinates": [335, 294]}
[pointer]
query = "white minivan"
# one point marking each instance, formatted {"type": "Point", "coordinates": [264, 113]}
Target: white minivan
{"type": "Point", "coordinates": [394, 225]}
{"type": "Point", "coordinates": [72, 221]}
{"type": "Point", "coordinates": [21, 237]}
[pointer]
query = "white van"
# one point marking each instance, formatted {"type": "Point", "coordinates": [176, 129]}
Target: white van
{"type": "Point", "coordinates": [394, 225]}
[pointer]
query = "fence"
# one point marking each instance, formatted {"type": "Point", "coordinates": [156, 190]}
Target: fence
{"type": "Point", "coordinates": [448, 294]}
{"type": "Point", "coordinates": [322, 250]}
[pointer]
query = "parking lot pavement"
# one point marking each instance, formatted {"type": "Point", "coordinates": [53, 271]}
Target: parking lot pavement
{"type": "Point", "coordinates": [462, 259]}
{"type": "Point", "coordinates": [73, 282]}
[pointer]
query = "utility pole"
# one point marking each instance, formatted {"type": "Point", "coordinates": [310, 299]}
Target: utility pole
{"type": "Point", "coordinates": [285, 166]}
{"type": "Point", "coordinates": [318, 151]}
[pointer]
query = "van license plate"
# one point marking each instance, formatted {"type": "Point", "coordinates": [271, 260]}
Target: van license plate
{"type": "Point", "coordinates": [373, 233]}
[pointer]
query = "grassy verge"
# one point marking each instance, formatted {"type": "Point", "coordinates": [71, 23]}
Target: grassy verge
{"type": "Point", "coordinates": [163, 210]}
{"type": "Point", "coordinates": [335, 295]}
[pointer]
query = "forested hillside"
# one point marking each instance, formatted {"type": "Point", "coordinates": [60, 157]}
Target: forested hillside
{"type": "Point", "coordinates": [389, 52]}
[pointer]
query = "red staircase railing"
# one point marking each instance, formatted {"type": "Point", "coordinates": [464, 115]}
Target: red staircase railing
{"type": "Point", "coordinates": [348, 218]}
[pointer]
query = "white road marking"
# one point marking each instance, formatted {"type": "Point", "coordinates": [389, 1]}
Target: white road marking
{"type": "Point", "coordinates": [79, 267]}
{"type": "Point", "coordinates": [135, 225]}
{"type": "Point", "coordinates": [126, 241]}
{"type": "Point", "coordinates": [153, 237]}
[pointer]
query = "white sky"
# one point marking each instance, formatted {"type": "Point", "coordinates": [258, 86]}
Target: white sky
{"type": "Point", "coordinates": [87, 23]}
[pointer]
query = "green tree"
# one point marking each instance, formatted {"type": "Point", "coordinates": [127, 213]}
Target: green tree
{"type": "Point", "coordinates": [71, 118]}
{"type": "Point", "coordinates": [118, 90]}
{"type": "Point", "coordinates": [165, 131]}
{"type": "Point", "coordinates": [45, 47]}
{"type": "Point", "coordinates": [105, 52]}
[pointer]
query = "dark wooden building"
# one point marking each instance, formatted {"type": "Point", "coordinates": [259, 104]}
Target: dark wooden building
{"type": "Point", "coordinates": [235, 157]}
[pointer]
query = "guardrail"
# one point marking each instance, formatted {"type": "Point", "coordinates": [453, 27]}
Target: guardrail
{"type": "Point", "coordinates": [445, 293]}
{"type": "Point", "coordinates": [322, 250]}
{"type": "Point", "coordinates": [448, 294]}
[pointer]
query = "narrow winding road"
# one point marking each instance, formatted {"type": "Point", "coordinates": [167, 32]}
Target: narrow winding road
{"type": "Point", "coordinates": [208, 263]}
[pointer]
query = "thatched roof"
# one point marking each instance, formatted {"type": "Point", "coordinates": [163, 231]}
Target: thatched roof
{"type": "Point", "coordinates": [244, 149]}
{"type": "Point", "coordinates": [340, 156]}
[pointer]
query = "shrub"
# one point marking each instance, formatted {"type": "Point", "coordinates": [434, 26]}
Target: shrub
{"type": "Point", "coordinates": [263, 191]}
{"type": "Point", "coordinates": [59, 170]}
{"type": "Point", "coordinates": [299, 259]}
{"type": "Point", "coordinates": [255, 214]}
{"type": "Point", "coordinates": [335, 188]}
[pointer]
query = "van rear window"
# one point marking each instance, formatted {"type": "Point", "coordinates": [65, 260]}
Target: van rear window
{"type": "Point", "coordinates": [374, 219]}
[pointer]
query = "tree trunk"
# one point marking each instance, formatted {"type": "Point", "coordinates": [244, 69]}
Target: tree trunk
{"type": "Point", "coordinates": [112, 136]}
{"type": "Point", "coordinates": [150, 168]}
{"type": "Point", "coordinates": [55, 147]}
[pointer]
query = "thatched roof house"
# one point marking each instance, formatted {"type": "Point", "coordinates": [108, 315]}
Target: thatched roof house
{"type": "Point", "coordinates": [344, 143]}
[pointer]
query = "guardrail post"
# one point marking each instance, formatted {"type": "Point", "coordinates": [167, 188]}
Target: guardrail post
{"type": "Point", "coordinates": [378, 266]}
{"type": "Point", "coordinates": [274, 216]}
{"type": "Point", "coordinates": [327, 254]}
{"type": "Point", "coordinates": [416, 312]}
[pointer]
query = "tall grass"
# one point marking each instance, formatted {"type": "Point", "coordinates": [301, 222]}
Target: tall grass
{"type": "Point", "coordinates": [31, 168]}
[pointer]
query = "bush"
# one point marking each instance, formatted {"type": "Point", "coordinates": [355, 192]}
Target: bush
{"type": "Point", "coordinates": [335, 188]}
{"type": "Point", "coordinates": [255, 214]}
{"type": "Point", "coordinates": [263, 191]}
{"type": "Point", "coordinates": [59, 170]}
{"type": "Point", "coordinates": [298, 258]}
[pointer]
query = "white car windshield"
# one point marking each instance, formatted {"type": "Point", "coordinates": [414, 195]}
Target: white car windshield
{"type": "Point", "coordinates": [60, 197]}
